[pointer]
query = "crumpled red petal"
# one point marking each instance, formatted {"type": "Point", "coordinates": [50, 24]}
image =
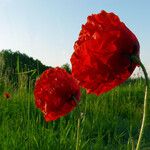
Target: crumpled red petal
{"type": "Point", "coordinates": [101, 58]}
{"type": "Point", "coordinates": [55, 92]}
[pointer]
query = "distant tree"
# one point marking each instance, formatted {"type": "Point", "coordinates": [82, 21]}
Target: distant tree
{"type": "Point", "coordinates": [14, 63]}
{"type": "Point", "coordinates": [66, 67]}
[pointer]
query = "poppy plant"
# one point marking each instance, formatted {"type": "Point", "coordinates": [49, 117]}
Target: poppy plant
{"type": "Point", "coordinates": [105, 55]}
{"type": "Point", "coordinates": [56, 93]}
{"type": "Point", "coordinates": [6, 95]}
{"type": "Point", "coordinates": [102, 53]}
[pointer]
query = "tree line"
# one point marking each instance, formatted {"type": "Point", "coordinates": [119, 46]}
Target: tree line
{"type": "Point", "coordinates": [14, 63]}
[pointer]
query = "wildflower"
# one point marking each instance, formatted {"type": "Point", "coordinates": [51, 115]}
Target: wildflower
{"type": "Point", "coordinates": [56, 93]}
{"type": "Point", "coordinates": [6, 95]}
{"type": "Point", "coordinates": [102, 53]}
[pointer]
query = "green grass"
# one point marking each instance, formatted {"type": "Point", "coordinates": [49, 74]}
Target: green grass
{"type": "Point", "coordinates": [108, 122]}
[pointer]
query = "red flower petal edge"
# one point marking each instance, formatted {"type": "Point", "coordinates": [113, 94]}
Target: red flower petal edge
{"type": "Point", "coordinates": [102, 53]}
{"type": "Point", "coordinates": [55, 93]}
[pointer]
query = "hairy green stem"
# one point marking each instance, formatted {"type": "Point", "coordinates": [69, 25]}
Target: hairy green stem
{"type": "Point", "coordinates": [137, 60]}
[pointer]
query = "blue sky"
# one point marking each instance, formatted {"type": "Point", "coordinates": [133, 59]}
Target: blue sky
{"type": "Point", "coordinates": [47, 29]}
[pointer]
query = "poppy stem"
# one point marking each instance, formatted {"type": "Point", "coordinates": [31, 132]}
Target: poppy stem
{"type": "Point", "coordinates": [78, 124]}
{"type": "Point", "coordinates": [137, 60]}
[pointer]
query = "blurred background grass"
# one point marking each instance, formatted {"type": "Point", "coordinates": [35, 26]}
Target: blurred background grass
{"type": "Point", "coordinates": [110, 121]}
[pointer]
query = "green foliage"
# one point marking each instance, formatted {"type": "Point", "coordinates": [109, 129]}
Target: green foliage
{"type": "Point", "coordinates": [66, 67]}
{"type": "Point", "coordinates": [108, 122]}
{"type": "Point", "coordinates": [1, 86]}
{"type": "Point", "coordinates": [12, 64]}
{"type": "Point", "coordinates": [23, 61]}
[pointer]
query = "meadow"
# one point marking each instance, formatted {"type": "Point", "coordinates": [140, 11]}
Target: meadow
{"type": "Point", "coordinates": [110, 121]}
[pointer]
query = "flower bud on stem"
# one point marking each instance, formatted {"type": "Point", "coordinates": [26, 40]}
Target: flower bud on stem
{"type": "Point", "coordinates": [137, 60]}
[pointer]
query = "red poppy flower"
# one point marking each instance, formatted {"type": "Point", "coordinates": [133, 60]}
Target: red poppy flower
{"type": "Point", "coordinates": [102, 56]}
{"type": "Point", "coordinates": [56, 92]}
{"type": "Point", "coordinates": [6, 95]}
